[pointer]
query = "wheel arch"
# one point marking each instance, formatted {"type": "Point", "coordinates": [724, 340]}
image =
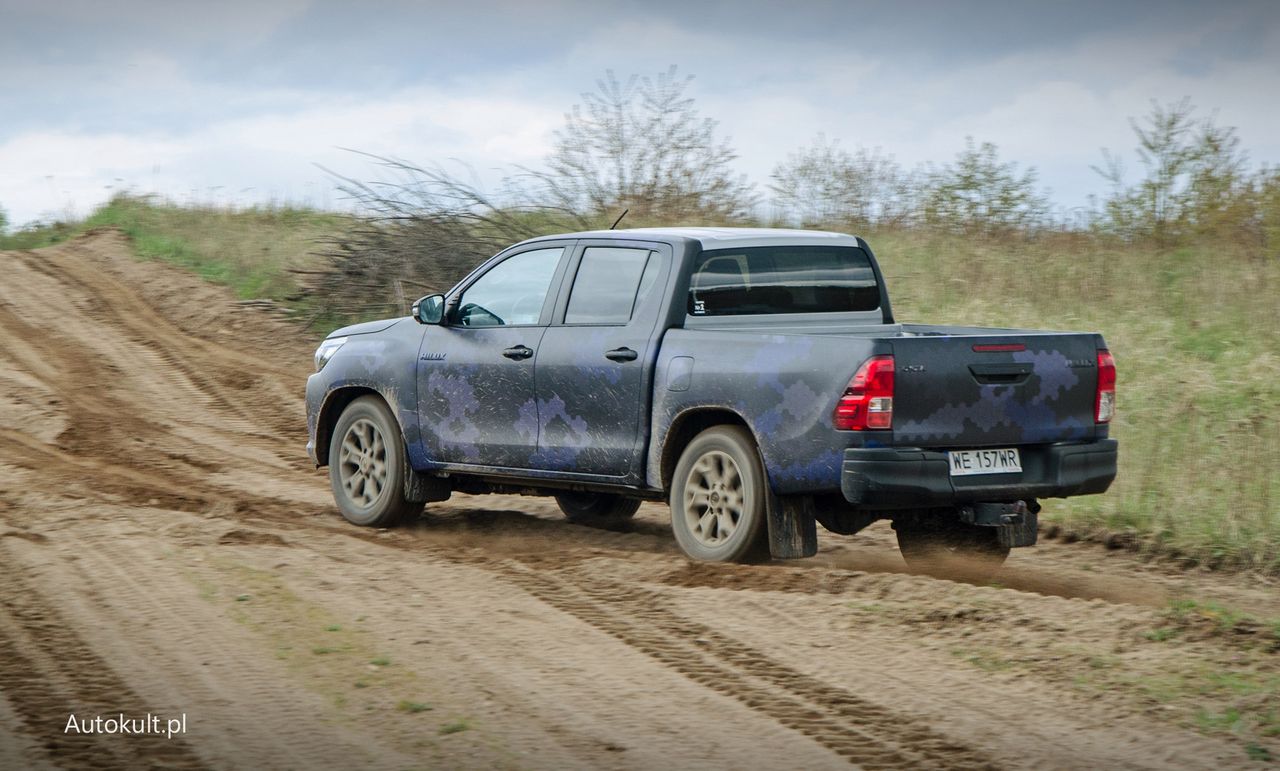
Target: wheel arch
{"type": "Point", "coordinates": [689, 424]}
{"type": "Point", "coordinates": [334, 403]}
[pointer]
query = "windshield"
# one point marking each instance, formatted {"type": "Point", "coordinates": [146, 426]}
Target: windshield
{"type": "Point", "coordinates": [782, 279]}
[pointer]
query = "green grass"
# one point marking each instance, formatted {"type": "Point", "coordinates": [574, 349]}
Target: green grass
{"type": "Point", "coordinates": [40, 235]}
{"type": "Point", "coordinates": [987, 661]}
{"type": "Point", "coordinates": [457, 726]}
{"type": "Point", "coordinates": [1206, 618]}
{"type": "Point", "coordinates": [250, 250]}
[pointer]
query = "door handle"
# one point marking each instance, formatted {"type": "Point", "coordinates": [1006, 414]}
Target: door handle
{"type": "Point", "coordinates": [621, 354]}
{"type": "Point", "coordinates": [1001, 374]}
{"type": "Point", "coordinates": [518, 352]}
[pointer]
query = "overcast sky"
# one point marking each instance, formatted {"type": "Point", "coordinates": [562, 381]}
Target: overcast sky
{"type": "Point", "coordinates": [238, 101]}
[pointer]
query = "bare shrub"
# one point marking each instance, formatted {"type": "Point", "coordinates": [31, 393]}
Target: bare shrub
{"type": "Point", "coordinates": [423, 231]}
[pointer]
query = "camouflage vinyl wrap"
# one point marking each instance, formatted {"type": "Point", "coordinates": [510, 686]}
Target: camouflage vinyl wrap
{"type": "Point", "coordinates": [949, 395]}
{"type": "Point", "coordinates": [783, 386]}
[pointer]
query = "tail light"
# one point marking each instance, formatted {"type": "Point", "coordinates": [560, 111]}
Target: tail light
{"type": "Point", "coordinates": [867, 403]}
{"type": "Point", "coordinates": [1105, 402]}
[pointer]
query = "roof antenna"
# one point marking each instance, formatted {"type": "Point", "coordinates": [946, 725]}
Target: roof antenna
{"type": "Point", "coordinates": [619, 219]}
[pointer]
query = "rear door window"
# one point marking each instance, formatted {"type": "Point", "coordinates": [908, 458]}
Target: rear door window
{"type": "Point", "coordinates": [608, 282]}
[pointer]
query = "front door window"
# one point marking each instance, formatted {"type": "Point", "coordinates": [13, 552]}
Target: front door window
{"type": "Point", "coordinates": [512, 292]}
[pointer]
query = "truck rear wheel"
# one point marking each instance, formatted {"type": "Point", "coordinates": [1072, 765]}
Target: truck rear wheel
{"type": "Point", "coordinates": [718, 497]}
{"type": "Point", "coordinates": [367, 465]}
{"type": "Point", "coordinates": [586, 508]}
{"type": "Point", "coordinates": [949, 547]}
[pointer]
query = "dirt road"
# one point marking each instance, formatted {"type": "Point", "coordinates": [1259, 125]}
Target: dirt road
{"type": "Point", "coordinates": [166, 549]}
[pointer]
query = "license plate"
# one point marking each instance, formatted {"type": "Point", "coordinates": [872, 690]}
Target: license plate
{"type": "Point", "coordinates": [967, 462]}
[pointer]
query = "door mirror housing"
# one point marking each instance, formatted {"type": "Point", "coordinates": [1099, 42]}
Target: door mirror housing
{"type": "Point", "coordinates": [429, 309]}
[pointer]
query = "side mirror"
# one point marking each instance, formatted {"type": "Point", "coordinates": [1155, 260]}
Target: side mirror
{"type": "Point", "coordinates": [429, 309]}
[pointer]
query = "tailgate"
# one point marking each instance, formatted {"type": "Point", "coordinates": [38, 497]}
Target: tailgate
{"type": "Point", "coordinates": [994, 390]}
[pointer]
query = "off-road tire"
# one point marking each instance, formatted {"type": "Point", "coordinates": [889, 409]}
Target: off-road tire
{"type": "Point", "coordinates": [587, 508]}
{"type": "Point", "coordinates": [367, 465]}
{"type": "Point", "coordinates": [718, 498]}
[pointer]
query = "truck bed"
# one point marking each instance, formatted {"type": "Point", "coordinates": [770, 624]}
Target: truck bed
{"type": "Point", "coordinates": [956, 387]}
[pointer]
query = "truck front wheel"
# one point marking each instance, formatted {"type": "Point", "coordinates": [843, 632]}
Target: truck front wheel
{"type": "Point", "coordinates": [367, 465]}
{"type": "Point", "coordinates": [718, 497]}
{"type": "Point", "coordinates": [944, 546]}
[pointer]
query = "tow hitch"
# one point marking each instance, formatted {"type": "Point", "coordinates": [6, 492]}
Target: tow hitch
{"type": "Point", "coordinates": [1017, 522]}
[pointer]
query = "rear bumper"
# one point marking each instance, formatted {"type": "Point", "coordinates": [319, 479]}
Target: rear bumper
{"type": "Point", "coordinates": [897, 478]}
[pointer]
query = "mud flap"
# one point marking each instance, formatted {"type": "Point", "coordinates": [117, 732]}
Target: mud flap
{"type": "Point", "coordinates": [424, 488]}
{"type": "Point", "coordinates": [793, 529]}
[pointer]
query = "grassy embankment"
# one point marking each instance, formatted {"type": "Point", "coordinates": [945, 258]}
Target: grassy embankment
{"type": "Point", "coordinates": [1194, 331]}
{"type": "Point", "coordinates": [249, 250]}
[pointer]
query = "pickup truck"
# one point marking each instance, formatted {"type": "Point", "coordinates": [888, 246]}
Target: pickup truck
{"type": "Point", "coordinates": [755, 379]}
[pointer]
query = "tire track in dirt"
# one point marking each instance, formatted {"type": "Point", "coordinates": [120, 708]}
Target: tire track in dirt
{"type": "Point", "coordinates": [108, 299]}
{"type": "Point", "coordinates": [862, 732]}
{"type": "Point", "coordinates": [141, 485]}
{"type": "Point", "coordinates": [113, 388]}
{"type": "Point", "coordinates": [48, 672]}
{"type": "Point", "coordinates": [179, 637]}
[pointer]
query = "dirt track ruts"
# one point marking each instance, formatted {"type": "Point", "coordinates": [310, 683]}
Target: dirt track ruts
{"type": "Point", "coordinates": [165, 547]}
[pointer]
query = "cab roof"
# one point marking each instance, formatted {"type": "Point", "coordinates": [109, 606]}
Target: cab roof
{"type": "Point", "coordinates": [721, 238]}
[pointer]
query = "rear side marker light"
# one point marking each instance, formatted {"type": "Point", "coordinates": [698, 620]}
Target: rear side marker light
{"type": "Point", "coordinates": [1105, 400]}
{"type": "Point", "coordinates": [867, 402]}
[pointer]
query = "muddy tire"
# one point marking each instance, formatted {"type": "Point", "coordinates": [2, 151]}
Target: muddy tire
{"type": "Point", "coordinates": [367, 465]}
{"type": "Point", "coordinates": [585, 508]}
{"type": "Point", "coordinates": [949, 548]}
{"type": "Point", "coordinates": [718, 497]}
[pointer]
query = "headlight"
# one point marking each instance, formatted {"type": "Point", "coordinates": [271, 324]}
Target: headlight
{"type": "Point", "coordinates": [326, 351]}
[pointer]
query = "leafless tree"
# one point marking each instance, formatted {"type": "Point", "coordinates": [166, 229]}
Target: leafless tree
{"type": "Point", "coordinates": [643, 145]}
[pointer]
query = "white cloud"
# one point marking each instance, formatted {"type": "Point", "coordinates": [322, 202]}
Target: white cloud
{"type": "Point", "coordinates": [53, 174]}
{"type": "Point", "coordinates": [272, 156]}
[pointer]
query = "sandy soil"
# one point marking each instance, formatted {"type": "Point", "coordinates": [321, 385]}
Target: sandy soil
{"type": "Point", "coordinates": [166, 548]}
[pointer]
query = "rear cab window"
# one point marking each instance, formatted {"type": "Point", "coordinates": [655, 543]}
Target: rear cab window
{"type": "Point", "coordinates": [782, 280]}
